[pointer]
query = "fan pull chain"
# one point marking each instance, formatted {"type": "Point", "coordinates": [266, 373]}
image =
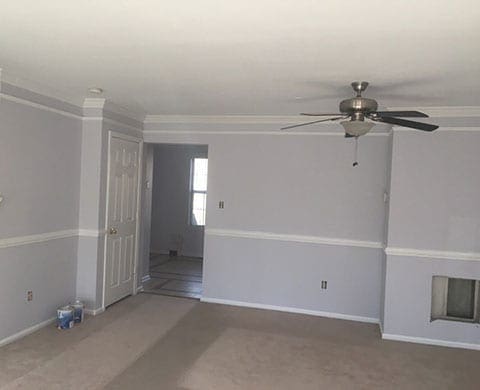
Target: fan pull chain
{"type": "Point", "coordinates": [355, 163]}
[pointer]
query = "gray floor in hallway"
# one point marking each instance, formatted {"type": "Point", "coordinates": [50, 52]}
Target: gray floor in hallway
{"type": "Point", "coordinates": [177, 276]}
{"type": "Point", "coordinates": [159, 342]}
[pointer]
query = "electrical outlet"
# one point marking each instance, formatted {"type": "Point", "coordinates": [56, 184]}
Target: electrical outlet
{"type": "Point", "coordinates": [29, 296]}
{"type": "Point", "coordinates": [324, 285]}
{"type": "Point", "coordinates": [221, 204]}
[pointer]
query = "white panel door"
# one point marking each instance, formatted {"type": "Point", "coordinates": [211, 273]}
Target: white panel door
{"type": "Point", "coordinates": [121, 239]}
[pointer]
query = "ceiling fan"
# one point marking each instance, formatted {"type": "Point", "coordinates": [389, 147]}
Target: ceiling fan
{"type": "Point", "coordinates": [360, 108]}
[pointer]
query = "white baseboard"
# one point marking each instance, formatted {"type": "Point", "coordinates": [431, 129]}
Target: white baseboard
{"type": "Point", "coordinates": [25, 332]}
{"type": "Point", "coordinates": [291, 310]}
{"type": "Point", "coordinates": [421, 340]}
{"type": "Point", "coordinates": [95, 312]}
{"type": "Point", "coordinates": [145, 278]}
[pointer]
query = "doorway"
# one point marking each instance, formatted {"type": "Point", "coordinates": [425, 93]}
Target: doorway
{"type": "Point", "coordinates": [124, 156]}
{"type": "Point", "coordinates": [178, 216]}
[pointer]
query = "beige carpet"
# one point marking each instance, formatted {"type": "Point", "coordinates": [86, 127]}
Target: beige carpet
{"type": "Point", "coordinates": [158, 342]}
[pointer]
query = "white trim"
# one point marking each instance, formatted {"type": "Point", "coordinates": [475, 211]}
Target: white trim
{"type": "Point", "coordinates": [94, 103]}
{"type": "Point", "coordinates": [443, 112]}
{"type": "Point", "coordinates": [441, 129]}
{"type": "Point", "coordinates": [39, 106]}
{"type": "Point", "coordinates": [224, 119]}
{"type": "Point", "coordinates": [36, 238]}
{"type": "Point", "coordinates": [91, 232]}
{"type": "Point", "coordinates": [293, 238]}
{"type": "Point", "coordinates": [318, 132]}
{"type": "Point", "coordinates": [253, 132]}
{"type": "Point", "coordinates": [44, 237]}
{"type": "Point", "coordinates": [295, 310]}
{"type": "Point", "coordinates": [118, 123]}
{"type": "Point", "coordinates": [27, 331]}
{"type": "Point", "coordinates": [421, 340]}
{"type": "Point", "coordinates": [117, 109]}
{"type": "Point", "coordinates": [94, 312]}
{"type": "Point", "coordinates": [460, 111]}
{"type": "Point", "coordinates": [145, 278]}
{"type": "Point", "coordinates": [435, 254]}
{"type": "Point", "coordinates": [19, 81]}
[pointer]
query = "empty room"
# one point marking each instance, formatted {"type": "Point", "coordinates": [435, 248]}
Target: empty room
{"type": "Point", "coordinates": [263, 194]}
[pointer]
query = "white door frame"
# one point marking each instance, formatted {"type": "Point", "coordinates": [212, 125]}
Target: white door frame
{"type": "Point", "coordinates": [111, 134]}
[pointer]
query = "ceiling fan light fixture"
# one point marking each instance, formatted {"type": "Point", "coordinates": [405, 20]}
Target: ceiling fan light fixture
{"type": "Point", "coordinates": [357, 128]}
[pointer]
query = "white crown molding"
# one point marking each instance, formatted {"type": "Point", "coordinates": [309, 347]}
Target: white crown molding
{"type": "Point", "coordinates": [40, 98]}
{"type": "Point", "coordinates": [94, 103]}
{"type": "Point", "coordinates": [422, 340]}
{"type": "Point", "coordinates": [441, 129]}
{"type": "Point", "coordinates": [287, 309]}
{"type": "Point", "coordinates": [39, 88]}
{"type": "Point", "coordinates": [250, 132]}
{"type": "Point", "coordinates": [224, 119]}
{"type": "Point", "coordinates": [432, 254]}
{"type": "Point", "coordinates": [27, 331]}
{"type": "Point", "coordinates": [443, 112]}
{"type": "Point", "coordinates": [113, 123]}
{"type": "Point", "coordinates": [39, 106]}
{"type": "Point", "coordinates": [293, 238]}
{"type": "Point", "coordinates": [120, 110]}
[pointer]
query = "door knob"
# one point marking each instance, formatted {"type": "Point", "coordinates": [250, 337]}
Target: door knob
{"type": "Point", "coordinates": [113, 231]}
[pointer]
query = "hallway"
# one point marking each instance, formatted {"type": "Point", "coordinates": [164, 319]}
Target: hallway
{"type": "Point", "coordinates": [177, 276]}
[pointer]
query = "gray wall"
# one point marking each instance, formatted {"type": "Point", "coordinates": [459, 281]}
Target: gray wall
{"type": "Point", "coordinates": [39, 179]}
{"type": "Point", "coordinates": [435, 192]}
{"type": "Point", "coordinates": [171, 199]}
{"type": "Point", "coordinates": [301, 187]}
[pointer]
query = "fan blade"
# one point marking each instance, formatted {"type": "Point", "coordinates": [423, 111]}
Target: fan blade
{"type": "Point", "coordinates": [407, 123]}
{"type": "Point", "coordinates": [403, 114]}
{"type": "Point", "coordinates": [307, 114]}
{"type": "Point", "coordinates": [311, 123]}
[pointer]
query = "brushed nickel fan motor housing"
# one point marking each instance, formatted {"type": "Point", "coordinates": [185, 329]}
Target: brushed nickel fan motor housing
{"type": "Point", "coordinates": [358, 105]}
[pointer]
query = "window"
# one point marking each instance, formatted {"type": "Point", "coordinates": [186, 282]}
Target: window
{"type": "Point", "coordinates": [455, 299]}
{"type": "Point", "coordinates": [198, 191]}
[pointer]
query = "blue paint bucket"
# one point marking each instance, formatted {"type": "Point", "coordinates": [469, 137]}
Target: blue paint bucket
{"type": "Point", "coordinates": [78, 311]}
{"type": "Point", "coordinates": [65, 317]}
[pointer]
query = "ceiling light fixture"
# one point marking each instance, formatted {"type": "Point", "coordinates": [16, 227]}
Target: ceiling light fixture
{"type": "Point", "coordinates": [357, 128]}
{"type": "Point", "coordinates": [95, 90]}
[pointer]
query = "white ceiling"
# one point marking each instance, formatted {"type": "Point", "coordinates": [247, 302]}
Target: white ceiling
{"type": "Point", "coordinates": [246, 56]}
